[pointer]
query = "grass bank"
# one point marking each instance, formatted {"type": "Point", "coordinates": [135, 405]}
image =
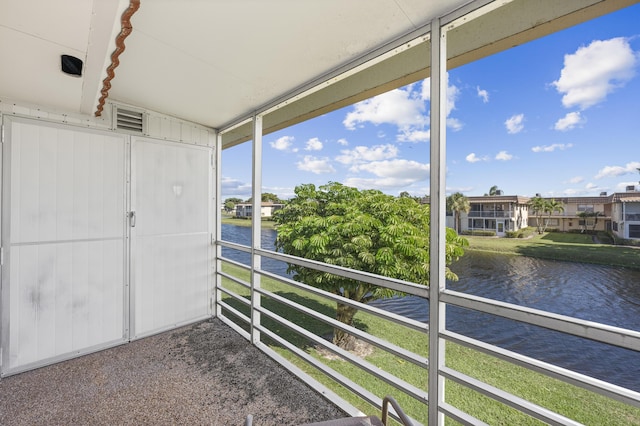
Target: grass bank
{"type": "Point", "coordinates": [583, 406]}
{"type": "Point", "coordinates": [569, 247]}
{"type": "Point", "coordinates": [230, 220]}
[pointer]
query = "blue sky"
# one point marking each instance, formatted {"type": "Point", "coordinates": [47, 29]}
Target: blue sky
{"type": "Point", "coordinates": [559, 116]}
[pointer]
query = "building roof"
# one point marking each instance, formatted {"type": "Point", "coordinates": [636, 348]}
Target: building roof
{"type": "Point", "coordinates": [582, 200]}
{"type": "Point", "coordinates": [519, 199]}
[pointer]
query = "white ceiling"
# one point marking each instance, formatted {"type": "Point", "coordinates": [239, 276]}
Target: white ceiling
{"type": "Point", "coordinates": [206, 61]}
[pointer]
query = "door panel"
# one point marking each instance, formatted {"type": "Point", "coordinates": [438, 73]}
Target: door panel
{"type": "Point", "coordinates": [171, 237]}
{"type": "Point", "coordinates": [64, 242]}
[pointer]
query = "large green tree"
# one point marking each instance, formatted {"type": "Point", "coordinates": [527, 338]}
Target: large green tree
{"type": "Point", "coordinates": [270, 197]}
{"type": "Point", "coordinates": [230, 203]}
{"type": "Point", "coordinates": [363, 230]}
{"type": "Point", "coordinates": [457, 203]}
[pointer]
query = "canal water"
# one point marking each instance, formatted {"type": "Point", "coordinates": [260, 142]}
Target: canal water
{"type": "Point", "coordinates": [603, 294]}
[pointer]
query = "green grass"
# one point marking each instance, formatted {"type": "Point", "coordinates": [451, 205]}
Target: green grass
{"type": "Point", "coordinates": [570, 247]}
{"type": "Point", "coordinates": [231, 220]}
{"type": "Point", "coordinates": [573, 402]}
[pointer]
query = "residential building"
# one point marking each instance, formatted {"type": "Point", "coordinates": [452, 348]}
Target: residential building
{"type": "Point", "coordinates": [579, 214]}
{"type": "Point", "coordinates": [618, 213]}
{"type": "Point", "coordinates": [245, 210]}
{"type": "Point", "coordinates": [625, 213]}
{"type": "Point", "coordinates": [499, 213]}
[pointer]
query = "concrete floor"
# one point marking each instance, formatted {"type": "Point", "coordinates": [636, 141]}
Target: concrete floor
{"type": "Point", "coordinates": [202, 374]}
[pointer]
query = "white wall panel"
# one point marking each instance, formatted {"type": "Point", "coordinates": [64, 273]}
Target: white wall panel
{"type": "Point", "coordinates": [171, 239]}
{"type": "Point", "coordinates": [65, 245]}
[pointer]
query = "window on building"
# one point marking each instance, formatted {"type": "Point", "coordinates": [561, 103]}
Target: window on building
{"type": "Point", "coordinates": [553, 222]}
{"type": "Point", "coordinates": [634, 231]}
{"type": "Point", "coordinates": [585, 208]}
{"type": "Point", "coordinates": [615, 226]}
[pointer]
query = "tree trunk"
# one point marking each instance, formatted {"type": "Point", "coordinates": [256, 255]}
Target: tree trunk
{"type": "Point", "coordinates": [342, 339]}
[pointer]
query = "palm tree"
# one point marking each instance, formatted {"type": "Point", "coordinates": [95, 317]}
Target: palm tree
{"type": "Point", "coordinates": [456, 203]}
{"type": "Point", "coordinates": [537, 206]}
{"type": "Point", "coordinates": [550, 207]}
{"type": "Point", "coordinates": [586, 215]}
{"type": "Point", "coordinates": [493, 191]}
{"type": "Point", "coordinates": [595, 216]}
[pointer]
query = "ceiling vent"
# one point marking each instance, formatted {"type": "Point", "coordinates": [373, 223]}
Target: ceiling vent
{"type": "Point", "coordinates": [130, 121]}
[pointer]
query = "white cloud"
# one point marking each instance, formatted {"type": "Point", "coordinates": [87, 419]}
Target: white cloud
{"type": "Point", "coordinates": [453, 93]}
{"type": "Point", "coordinates": [399, 107]}
{"type": "Point", "coordinates": [313, 144]}
{"type": "Point", "coordinates": [576, 179]}
{"type": "Point", "coordinates": [515, 124]}
{"type": "Point", "coordinates": [425, 93]}
{"type": "Point", "coordinates": [473, 158]}
{"type": "Point", "coordinates": [415, 136]}
{"type": "Point", "coordinates": [611, 171]}
{"type": "Point", "coordinates": [483, 94]}
{"type": "Point", "coordinates": [343, 142]}
{"type": "Point", "coordinates": [622, 186]}
{"type": "Point", "coordinates": [594, 71]}
{"type": "Point", "coordinates": [234, 187]}
{"type": "Point", "coordinates": [390, 174]}
{"type": "Point", "coordinates": [504, 156]}
{"type": "Point", "coordinates": [315, 165]}
{"type": "Point", "coordinates": [404, 108]}
{"type": "Point", "coordinates": [397, 169]}
{"type": "Point", "coordinates": [551, 148]}
{"type": "Point", "coordinates": [361, 154]}
{"type": "Point", "coordinates": [570, 121]}
{"type": "Point", "coordinates": [283, 143]}
{"type": "Point", "coordinates": [454, 124]}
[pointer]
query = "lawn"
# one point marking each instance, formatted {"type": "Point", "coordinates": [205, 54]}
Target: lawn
{"type": "Point", "coordinates": [573, 402]}
{"type": "Point", "coordinates": [570, 247]}
{"type": "Point", "coordinates": [231, 220]}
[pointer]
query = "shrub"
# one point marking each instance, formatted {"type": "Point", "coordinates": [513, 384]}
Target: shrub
{"type": "Point", "coordinates": [478, 233]}
{"type": "Point", "coordinates": [527, 232]}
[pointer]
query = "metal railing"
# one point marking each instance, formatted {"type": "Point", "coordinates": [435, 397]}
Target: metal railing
{"type": "Point", "coordinates": [272, 332]}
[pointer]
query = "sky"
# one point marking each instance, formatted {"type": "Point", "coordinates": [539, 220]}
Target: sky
{"type": "Point", "coordinates": [559, 116]}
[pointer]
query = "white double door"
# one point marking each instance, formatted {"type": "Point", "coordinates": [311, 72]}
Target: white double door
{"type": "Point", "coordinates": [105, 238]}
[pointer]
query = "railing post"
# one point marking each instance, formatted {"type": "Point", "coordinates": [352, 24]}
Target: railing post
{"type": "Point", "coordinates": [438, 220]}
{"type": "Point", "coordinates": [256, 225]}
{"type": "Point", "coordinates": [217, 263]}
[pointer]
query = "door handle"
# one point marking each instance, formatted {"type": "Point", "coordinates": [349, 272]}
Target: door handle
{"type": "Point", "coordinates": [132, 219]}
